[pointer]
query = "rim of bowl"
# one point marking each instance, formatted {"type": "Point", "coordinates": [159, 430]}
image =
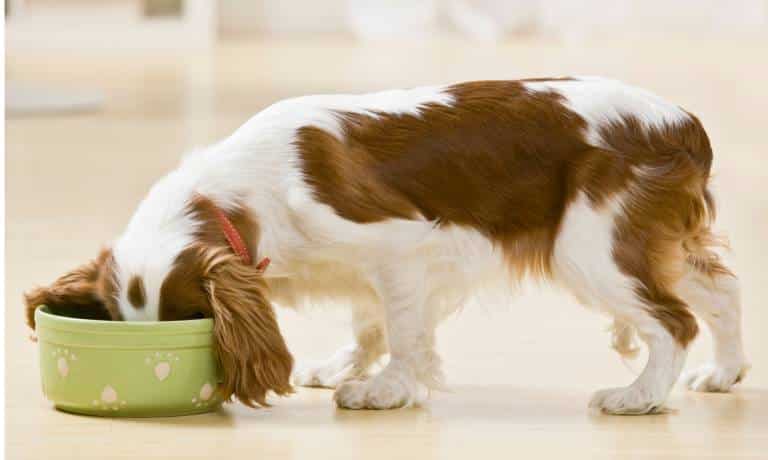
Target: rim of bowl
{"type": "Point", "coordinates": [44, 318]}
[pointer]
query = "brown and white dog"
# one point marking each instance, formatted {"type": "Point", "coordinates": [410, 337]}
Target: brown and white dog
{"type": "Point", "coordinates": [404, 203]}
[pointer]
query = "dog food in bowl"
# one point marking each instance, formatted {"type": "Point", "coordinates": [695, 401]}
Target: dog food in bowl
{"type": "Point", "coordinates": [127, 369]}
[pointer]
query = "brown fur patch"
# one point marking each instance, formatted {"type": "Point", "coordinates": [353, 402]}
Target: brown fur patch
{"type": "Point", "coordinates": [668, 209]}
{"type": "Point", "coordinates": [85, 292]}
{"type": "Point", "coordinates": [498, 160]}
{"type": "Point", "coordinates": [209, 280]}
{"type": "Point", "coordinates": [251, 350]}
{"type": "Point", "coordinates": [136, 294]}
{"type": "Point", "coordinates": [507, 162]}
{"type": "Point", "coordinates": [209, 232]}
{"type": "Point", "coordinates": [182, 295]}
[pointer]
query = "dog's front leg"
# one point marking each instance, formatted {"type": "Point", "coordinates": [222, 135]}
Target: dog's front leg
{"type": "Point", "coordinates": [410, 328]}
{"type": "Point", "coordinates": [352, 361]}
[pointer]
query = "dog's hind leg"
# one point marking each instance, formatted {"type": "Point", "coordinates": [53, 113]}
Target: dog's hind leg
{"type": "Point", "coordinates": [712, 291]}
{"type": "Point", "coordinates": [666, 357]}
{"type": "Point", "coordinates": [586, 259]}
{"type": "Point", "coordinates": [351, 361]}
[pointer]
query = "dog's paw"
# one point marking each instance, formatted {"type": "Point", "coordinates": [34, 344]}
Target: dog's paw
{"type": "Point", "coordinates": [388, 390]}
{"type": "Point", "coordinates": [343, 365]}
{"type": "Point", "coordinates": [631, 400]}
{"type": "Point", "coordinates": [323, 375]}
{"type": "Point", "coordinates": [714, 378]}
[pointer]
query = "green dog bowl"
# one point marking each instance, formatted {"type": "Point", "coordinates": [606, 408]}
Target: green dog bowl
{"type": "Point", "coordinates": [127, 369]}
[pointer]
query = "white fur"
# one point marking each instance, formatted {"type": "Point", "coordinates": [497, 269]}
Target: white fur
{"type": "Point", "coordinates": [342, 366]}
{"type": "Point", "coordinates": [158, 231]}
{"type": "Point", "coordinates": [649, 391]}
{"type": "Point", "coordinates": [584, 264]}
{"type": "Point", "coordinates": [717, 301]}
{"type": "Point", "coordinates": [401, 276]}
{"type": "Point", "coordinates": [600, 101]}
{"type": "Point", "coordinates": [583, 259]}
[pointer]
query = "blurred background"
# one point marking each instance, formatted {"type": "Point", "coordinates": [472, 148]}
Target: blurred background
{"type": "Point", "coordinates": [104, 96]}
{"type": "Point", "coordinates": [344, 45]}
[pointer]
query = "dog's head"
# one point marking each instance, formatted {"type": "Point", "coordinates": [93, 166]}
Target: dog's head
{"type": "Point", "coordinates": [152, 274]}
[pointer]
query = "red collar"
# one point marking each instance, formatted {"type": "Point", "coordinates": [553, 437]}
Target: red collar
{"type": "Point", "coordinates": [236, 241]}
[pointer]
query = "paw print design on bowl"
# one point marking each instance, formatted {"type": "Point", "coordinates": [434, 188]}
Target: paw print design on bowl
{"type": "Point", "coordinates": [63, 359]}
{"type": "Point", "coordinates": [109, 400]}
{"type": "Point", "coordinates": [205, 396]}
{"type": "Point", "coordinates": [161, 363]}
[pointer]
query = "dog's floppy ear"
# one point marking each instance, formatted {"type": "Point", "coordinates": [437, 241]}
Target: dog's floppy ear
{"type": "Point", "coordinates": [81, 293]}
{"type": "Point", "coordinates": [253, 356]}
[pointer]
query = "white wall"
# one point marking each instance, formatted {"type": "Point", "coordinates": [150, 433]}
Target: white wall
{"type": "Point", "coordinates": [491, 19]}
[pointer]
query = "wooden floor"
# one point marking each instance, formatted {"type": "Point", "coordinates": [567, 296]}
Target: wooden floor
{"type": "Point", "coordinates": [522, 372]}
